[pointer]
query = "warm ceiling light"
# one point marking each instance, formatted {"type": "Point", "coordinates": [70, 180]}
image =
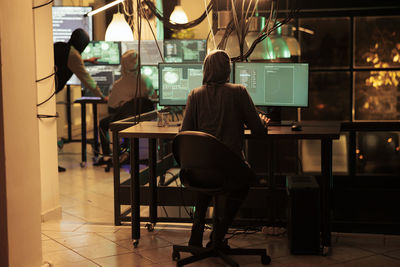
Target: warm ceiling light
{"type": "Point", "coordinates": [178, 15]}
{"type": "Point", "coordinates": [118, 29]}
{"type": "Point", "coordinates": [116, 2]}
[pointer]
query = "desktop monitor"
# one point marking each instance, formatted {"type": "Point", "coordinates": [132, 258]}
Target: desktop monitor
{"type": "Point", "coordinates": [107, 52]}
{"type": "Point", "coordinates": [66, 19]}
{"type": "Point", "coordinates": [185, 50]}
{"type": "Point", "coordinates": [149, 53]}
{"type": "Point", "coordinates": [176, 80]}
{"type": "Point", "coordinates": [105, 76]}
{"type": "Point", "coordinates": [274, 84]}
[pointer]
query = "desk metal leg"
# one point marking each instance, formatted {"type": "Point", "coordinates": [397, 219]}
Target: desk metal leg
{"type": "Point", "coordinates": [68, 106]}
{"type": "Point", "coordinates": [83, 133]}
{"type": "Point", "coordinates": [326, 187]}
{"type": "Point", "coordinates": [153, 183]}
{"type": "Point", "coordinates": [95, 131]}
{"type": "Point", "coordinates": [117, 181]}
{"type": "Point", "coordinates": [135, 191]}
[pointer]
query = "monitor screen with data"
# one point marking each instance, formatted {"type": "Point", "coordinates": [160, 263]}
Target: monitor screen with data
{"type": "Point", "coordinates": [105, 76]}
{"type": "Point", "coordinates": [66, 19]}
{"type": "Point", "coordinates": [185, 50]}
{"type": "Point", "coordinates": [274, 84]}
{"type": "Point", "coordinates": [109, 53]}
{"type": "Point", "coordinates": [176, 80]}
{"type": "Point", "coordinates": [149, 50]}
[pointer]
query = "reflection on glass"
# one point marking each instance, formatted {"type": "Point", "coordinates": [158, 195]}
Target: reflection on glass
{"type": "Point", "coordinates": [377, 95]}
{"type": "Point", "coordinates": [328, 97]}
{"type": "Point", "coordinates": [377, 42]}
{"type": "Point", "coordinates": [311, 155]}
{"type": "Point", "coordinates": [329, 46]}
{"type": "Point", "coordinates": [378, 152]}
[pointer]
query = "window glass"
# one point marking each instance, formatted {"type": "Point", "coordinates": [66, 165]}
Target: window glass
{"type": "Point", "coordinates": [378, 152]}
{"type": "Point", "coordinates": [329, 96]}
{"type": "Point", "coordinates": [311, 155]}
{"type": "Point", "coordinates": [329, 44]}
{"type": "Point", "coordinates": [377, 95]}
{"type": "Point", "coordinates": [377, 42]}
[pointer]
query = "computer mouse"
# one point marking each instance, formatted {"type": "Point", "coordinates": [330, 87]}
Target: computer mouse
{"type": "Point", "coordinates": [296, 127]}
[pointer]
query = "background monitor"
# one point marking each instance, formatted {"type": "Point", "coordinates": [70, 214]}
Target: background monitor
{"type": "Point", "coordinates": [108, 52]}
{"type": "Point", "coordinates": [185, 50]}
{"type": "Point", "coordinates": [68, 18]}
{"type": "Point", "coordinates": [177, 80]}
{"type": "Point", "coordinates": [274, 84]}
{"type": "Point", "coordinates": [149, 53]}
{"type": "Point", "coordinates": [152, 73]}
{"type": "Point", "coordinates": [105, 76]}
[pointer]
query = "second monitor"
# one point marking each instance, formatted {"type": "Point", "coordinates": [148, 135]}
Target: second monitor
{"type": "Point", "coordinates": [274, 84]}
{"type": "Point", "coordinates": [176, 80]}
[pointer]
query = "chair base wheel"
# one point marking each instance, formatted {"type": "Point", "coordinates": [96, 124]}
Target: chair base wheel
{"type": "Point", "coordinates": [265, 260]}
{"type": "Point", "coordinates": [135, 243]}
{"type": "Point", "coordinates": [83, 164]}
{"type": "Point", "coordinates": [150, 227]}
{"type": "Point", "coordinates": [176, 256]}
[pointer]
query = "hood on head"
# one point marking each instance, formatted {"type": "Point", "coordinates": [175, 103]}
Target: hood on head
{"type": "Point", "coordinates": [216, 67]}
{"type": "Point", "coordinates": [129, 62]}
{"type": "Point", "coordinates": [79, 39]}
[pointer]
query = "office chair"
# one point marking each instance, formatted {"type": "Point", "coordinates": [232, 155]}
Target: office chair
{"type": "Point", "coordinates": [206, 166]}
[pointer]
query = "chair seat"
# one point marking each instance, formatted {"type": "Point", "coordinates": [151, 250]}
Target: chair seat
{"type": "Point", "coordinates": [208, 166]}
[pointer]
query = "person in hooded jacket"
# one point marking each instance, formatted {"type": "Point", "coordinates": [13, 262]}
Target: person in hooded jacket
{"type": "Point", "coordinates": [221, 109]}
{"type": "Point", "coordinates": [129, 96]}
{"type": "Point", "coordinates": [68, 61]}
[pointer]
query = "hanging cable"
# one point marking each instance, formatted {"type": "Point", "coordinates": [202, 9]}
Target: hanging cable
{"type": "Point", "coordinates": [45, 78]}
{"type": "Point", "coordinates": [55, 83]}
{"type": "Point", "coordinates": [209, 24]}
{"type": "Point", "coordinates": [152, 32]}
{"type": "Point", "coordinates": [44, 116]}
{"type": "Point", "coordinates": [39, 6]}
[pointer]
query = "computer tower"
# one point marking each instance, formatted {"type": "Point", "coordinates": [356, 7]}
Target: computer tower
{"type": "Point", "coordinates": [303, 215]}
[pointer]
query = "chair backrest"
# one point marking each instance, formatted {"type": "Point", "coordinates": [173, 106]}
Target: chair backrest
{"type": "Point", "coordinates": [207, 164]}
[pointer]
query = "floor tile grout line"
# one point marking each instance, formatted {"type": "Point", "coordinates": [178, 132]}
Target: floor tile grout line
{"type": "Point", "coordinates": [73, 251]}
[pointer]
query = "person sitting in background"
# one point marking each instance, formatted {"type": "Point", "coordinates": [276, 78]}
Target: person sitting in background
{"type": "Point", "coordinates": [221, 109]}
{"type": "Point", "coordinates": [129, 96]}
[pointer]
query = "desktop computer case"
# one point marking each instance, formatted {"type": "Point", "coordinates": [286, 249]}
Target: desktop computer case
{"type": "Point", "coordinates": [303, 215]}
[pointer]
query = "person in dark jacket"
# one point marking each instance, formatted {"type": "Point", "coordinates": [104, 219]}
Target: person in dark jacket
{"type": "Point", "coordinates": [68, 61]}
{"type": "Point", "coordinates": [221, 109]}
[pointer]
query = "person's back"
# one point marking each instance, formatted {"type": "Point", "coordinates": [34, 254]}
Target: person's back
{"type": "Point", "coordinates": [129, 87]}
{"type": "Point", "coordinates": [220, 109]}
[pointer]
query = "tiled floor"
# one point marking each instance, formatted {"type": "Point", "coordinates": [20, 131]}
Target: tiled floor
{"type": "Point", "coordinates": [86, 236]}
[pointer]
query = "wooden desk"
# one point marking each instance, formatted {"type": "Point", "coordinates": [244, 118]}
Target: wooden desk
{"type": "Point", "coordinates": [325, 132]}
{"type": "Point", "coordinates": [94, 100]}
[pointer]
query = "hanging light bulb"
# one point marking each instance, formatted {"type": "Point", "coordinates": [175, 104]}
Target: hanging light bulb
{"type": "Point", "coordinates": [118, 29]}
{"type": "Point", "coordinates": [178, 15]}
